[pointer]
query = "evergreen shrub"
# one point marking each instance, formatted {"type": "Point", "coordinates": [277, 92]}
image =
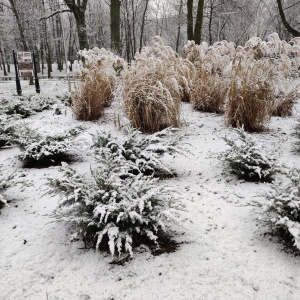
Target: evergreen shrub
{"type": "Point", "coordinates": [142, 153]}
{"type": "Point", "coordinates": [6, 131]}
{"type": "Point", "coordinates": [282, 210]}
{"type": "Point", "coordinates": [5, 182]}
{"type": "Point", "coordinates": [297, 135]}
{"type": "Point", "coordinates": [248, 159]}
{"type": "Point", "coordinates": [111, 206]}
{"type": "Point", "coordinates": [39, 150]}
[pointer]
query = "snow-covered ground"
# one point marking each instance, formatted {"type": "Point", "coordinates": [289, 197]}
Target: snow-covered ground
{"type": "Point", "coordinates": [223, 254]}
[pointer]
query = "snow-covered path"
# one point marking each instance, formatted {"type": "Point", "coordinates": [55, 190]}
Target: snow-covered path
{"type": "Point", "coordinates": [223, 255]}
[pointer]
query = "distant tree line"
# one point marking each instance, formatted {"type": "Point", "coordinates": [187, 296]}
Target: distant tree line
{"type": "Point", "coordinates": [125, 26]}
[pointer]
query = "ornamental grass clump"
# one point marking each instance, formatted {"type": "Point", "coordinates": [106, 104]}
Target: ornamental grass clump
{"type": "Point", "coordinates": [94, 92]}
{"type": "Point", "coordinates": [112, 207]}
{"type": "Point", "coordinates": [182, 70]}
{"type": "Point", "coordinates": [248, 160]}
{"type": "Point", "coordinates": [154, 86]}
{"type": "Point", "coordinates": [209, 92]}
{"type": "Point", "coordinates": [141, 153]}
{"type": "Point", "coordinates": [251, 95]}
{"type": "Point", "coordinates": [282, 210]}
{"type": "Point", "coordinates": [151, 100]}
{"type": "Point", "coordinates": [285, 101]}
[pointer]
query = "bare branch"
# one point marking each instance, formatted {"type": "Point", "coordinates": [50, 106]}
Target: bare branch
{"type": "Point", "coordinates": [292, 5]}
{"type": "Point", "coordinates": [54, 13]}
{"type": "Point", "coordinates": [1, 3]}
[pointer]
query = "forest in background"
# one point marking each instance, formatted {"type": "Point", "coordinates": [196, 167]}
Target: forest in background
{"type": "Point", "coordinates": [125, 26]}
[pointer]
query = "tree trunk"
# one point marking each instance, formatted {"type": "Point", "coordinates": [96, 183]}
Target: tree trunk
{"type": "Point", "coordinates": [210, 22]}
{"type": "Point", "coordinates": [133, 28]}
{"type": "Point", "coordinates": [42, 58]}
{"type": "Point", "coordinates": [190, 23]}
{"type": "Point", "coordinates": [19, 24]}
{"type": "Point", "coordinates": [3, 61]}
{"type": "Point", "coordinates": [143, 24]}
{"type": "Point", "coordinates": [37, 58]}
{"type": "Point", "coordinates": [115, 21]}
{"type": "Point", "coordinates": [78, 11]}
{"type": "Point", "coordinates": [46, 45]}
{"type": "Point", "coordinates": [288, 27]}
{"type": "Point", "coordinates": [127, 30]}
{"type": "Point", "coordinates": [199, 21]}
{"type": "Point", "coordinates": [179, 26]}
{"type": "Point", "coordinates": [7, 58]}
{"type": "Point", "coordinates": [82, 34]}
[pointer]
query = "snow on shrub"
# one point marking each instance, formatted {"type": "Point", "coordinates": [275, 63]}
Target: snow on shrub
{"type": "Point", "coordinates": [49, 148]}
{"type": "Point", "coordinates": [27, 106]}
{"type": "Point", "coordinates": [112, 206]}
{"type": "Point", "coordinates": [44, 149]}
{"type": "Point", "coordinates": [6, 131]}
{"type": "Point", "coordinates": [142, 151]}
{"type": "Point", "coordinates": [297, 135]}
{"type": "Point", "coordinates": [248, 159]}
{"type": "Point", "coordinates": [5, 182]}
{"type": "Point", "coordinates": [282, 210]}
{"type": "Point", "coordinates": [50, 97]}
{"type": "Point", "coordinates": [20, 106]}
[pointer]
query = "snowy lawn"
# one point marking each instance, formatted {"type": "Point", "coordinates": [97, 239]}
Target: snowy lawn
{"type": "Point", "coordinates": [222, 252]}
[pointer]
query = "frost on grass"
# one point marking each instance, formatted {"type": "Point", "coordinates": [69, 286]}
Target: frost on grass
{"type": "Point", "coordinates": [282, 210]}
{"type": "Point", "coordinates": [141, 153]}
{"type": "Point", "coordinates": [110, 205]}
{"type": "Point", "coordinates": [248, 159]}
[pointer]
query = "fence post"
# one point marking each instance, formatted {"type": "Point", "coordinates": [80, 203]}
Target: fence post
{"type": "Point", "coordinates": [36, 80]}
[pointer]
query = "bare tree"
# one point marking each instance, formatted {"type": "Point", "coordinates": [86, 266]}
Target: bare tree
{"type": "Point", "coordinates": [115, 22]}
{"type": "Point", "coordinates": [19, 24]}
{"type": "Point", "coordinates": [194, 33]}
{"type": "Point", "coordinates": [143, 24]}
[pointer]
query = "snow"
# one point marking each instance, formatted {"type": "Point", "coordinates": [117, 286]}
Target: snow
{"type": "Point", "coordinates": [223, 253]}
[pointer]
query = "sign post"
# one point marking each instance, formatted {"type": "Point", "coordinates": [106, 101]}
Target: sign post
{"type": "Point", "coordinates": [36, 80]}
{"type": "Point", "coordinates": [18, 84]}
{"type": "Point", "coordinates": [25, 65]}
